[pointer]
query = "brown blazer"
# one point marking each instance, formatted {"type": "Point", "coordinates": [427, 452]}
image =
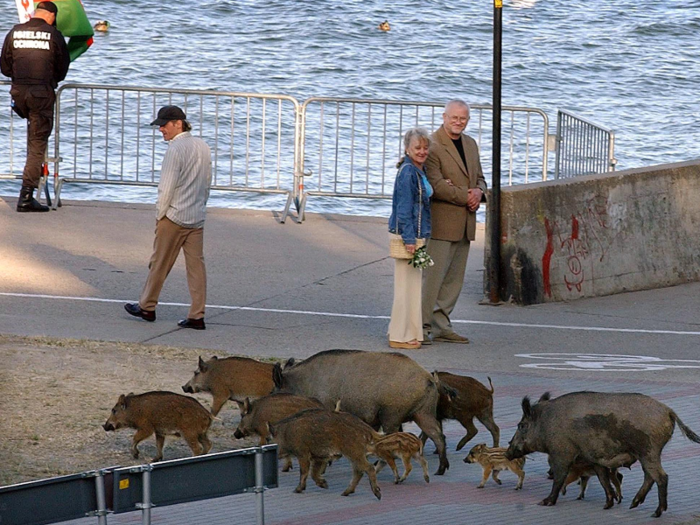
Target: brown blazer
{"type": "Point", "coordinates": [451, 221]}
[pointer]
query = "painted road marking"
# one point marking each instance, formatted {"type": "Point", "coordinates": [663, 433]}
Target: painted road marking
{"type": "Point", "coordinates": [605, 362]}
{"type": "Point", "coordinates": [361, 316]}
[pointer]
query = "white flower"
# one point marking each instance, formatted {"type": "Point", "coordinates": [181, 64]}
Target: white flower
{"type": "Point", "coordinates": [421, 259]}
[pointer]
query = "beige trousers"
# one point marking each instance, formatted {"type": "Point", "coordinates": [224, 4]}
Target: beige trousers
{"type": "Point", "coordinates": [406, 322]}
{"type": "Point", "coordinates": [166, 247]}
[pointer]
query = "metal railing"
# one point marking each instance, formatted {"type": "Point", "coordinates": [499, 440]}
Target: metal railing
{"type": "Point", "coordinates": [583, 147]}
{"type": "Point", "coordinates": [103, 135]}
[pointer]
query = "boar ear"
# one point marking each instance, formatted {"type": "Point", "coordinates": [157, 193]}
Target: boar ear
{"type": "Point", "coordinates": [526, 407]}
{"type": "Point", "coordinates": [122, 399]}
{"type": "Point", "coordinates": [290, 362]}
{"type": "Point", "coordinates": [277, 375]}
{"type": "Point", "coordinates": [544, 397]}
{"type": "Point", "coordinates": [202, 365]}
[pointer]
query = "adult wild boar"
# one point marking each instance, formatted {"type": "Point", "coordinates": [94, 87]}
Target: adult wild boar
{"type": "Point", "coordinates": [233, 378]}
{"type": "Point", "coordinates": [382, 389]}
{"type": "Point", "coordinates": [165, 414]}
{"type": "Point", "coordinates": [606, 430]}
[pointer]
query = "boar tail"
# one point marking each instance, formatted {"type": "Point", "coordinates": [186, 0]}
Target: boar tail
{"type": "Point", "coordinates": [491, 385]}
{"type": "Point", "coordinates": [687, 432]}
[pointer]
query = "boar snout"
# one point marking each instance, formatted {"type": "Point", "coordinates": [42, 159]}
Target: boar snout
{"type": "Point", "coordinates": [238, 434]}
{"type": "Point", "coordinates": [187, 389]}
{"type": "Point", "coordinates": [108, 426]}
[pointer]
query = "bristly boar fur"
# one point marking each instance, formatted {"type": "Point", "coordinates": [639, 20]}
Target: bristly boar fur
{"type": "Point", "coordinates": [314, 436]}
{"type": "Point", "coordinates": [471, 400]}
{"type": "Point", "coordinates": [606, 430]}
{"type": "Point", "coordinates": [165, 414]}
{"type": "Point", "coordinates": [233, 378]}
{"type": "Point", "coordinates": [383, 389]}
{"type": "Point", "coordinates": [493, 461]}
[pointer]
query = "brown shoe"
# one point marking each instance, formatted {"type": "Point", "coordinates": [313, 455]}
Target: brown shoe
{"type": "Point", "coordinates": [408, 345]}
{"type": "Point", "coordinates": [452, 337]}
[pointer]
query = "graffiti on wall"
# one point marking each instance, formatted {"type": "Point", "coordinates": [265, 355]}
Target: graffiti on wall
{"type": "Point", "coordinates": [579, 243]}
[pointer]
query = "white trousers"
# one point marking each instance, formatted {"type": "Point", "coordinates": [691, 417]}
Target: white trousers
{"type": "Point", "coordinates": [406, 319]}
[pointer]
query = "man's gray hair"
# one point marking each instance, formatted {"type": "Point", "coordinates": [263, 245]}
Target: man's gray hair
{"type": "Point", "coordinates": [420, 133]}
{"type": "Point", "coordinates": [457, 102]}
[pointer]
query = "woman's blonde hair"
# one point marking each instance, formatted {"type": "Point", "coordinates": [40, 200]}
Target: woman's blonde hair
{"type": "Point", "coordinates": [419, 133]}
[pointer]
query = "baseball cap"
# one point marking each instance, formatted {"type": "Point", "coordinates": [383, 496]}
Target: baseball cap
{"type": "Point", "coordinates": [168, 113]}
{"type": "Point", "coordinates": [48, 6]}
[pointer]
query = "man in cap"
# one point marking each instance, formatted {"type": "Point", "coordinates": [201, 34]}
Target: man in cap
{"type": "Point", "coordinates": [183, 190]}
{"type": "Point", "coordinates": [35, 56]}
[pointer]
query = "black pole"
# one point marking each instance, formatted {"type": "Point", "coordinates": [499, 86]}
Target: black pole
{"type": "Point", "coordinates": [495, 201]}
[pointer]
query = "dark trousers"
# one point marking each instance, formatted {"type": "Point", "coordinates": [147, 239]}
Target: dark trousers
{"type": "Point", "coordinates": [35, 103]}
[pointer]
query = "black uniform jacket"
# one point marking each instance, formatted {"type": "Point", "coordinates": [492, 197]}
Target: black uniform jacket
{"type": "Point", "coordinates": [35, 53]}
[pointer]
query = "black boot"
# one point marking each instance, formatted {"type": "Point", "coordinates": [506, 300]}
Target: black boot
{"type": "Point", "coordinates": [27, 202]}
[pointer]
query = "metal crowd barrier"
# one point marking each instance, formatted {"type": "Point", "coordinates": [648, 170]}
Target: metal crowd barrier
{"type": "Point", "coordinates": [350, 146]}
{"type": "Point", "coordinates": [116, 490]}
{"type": "Point", "coordinates": [582, 147]}
{"type": "Point", "coordinates": [103, 135]}
{"type": "Point", "coordinates": [272, 144]}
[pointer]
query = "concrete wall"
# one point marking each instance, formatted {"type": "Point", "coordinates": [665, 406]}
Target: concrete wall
{"type": "Point", "coordinates": [600, 234]}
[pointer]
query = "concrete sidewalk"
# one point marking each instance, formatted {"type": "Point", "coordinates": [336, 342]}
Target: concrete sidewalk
{"type": "Point", "coordinates": [291, 290]}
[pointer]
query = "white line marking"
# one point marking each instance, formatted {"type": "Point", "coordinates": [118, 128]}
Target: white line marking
{"type": "Point", "coordinates": [360, 316]}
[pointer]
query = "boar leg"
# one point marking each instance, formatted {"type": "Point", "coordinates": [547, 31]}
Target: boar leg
{"type": "Point", "coordinates": [193, 442]}
{"type": "Point", "coordinates": [521, 477]}
{"type": "Point", "coordinates": [560, 469]}
{"type": "Point", "coordinates": [318, 466]}
{"type": "Point", "coordinates": [407, 467]}
{"type": "Point", "coordinates": [653, 472]}
{"type": "Point", "coordinates": [217, 403]}
{"type": "Point", "coordinates": [356, 477]}
{"type": "Point", "coordinates": [492, 427]}
{"type": "Point", "coordinates": [603, 474]}
{"type": "Point", "coordinates": [392, 465]}
{"type": "Point", "coordinates": [471, 432]}
{"type": "Point", "coordinates": [205, 442]}
{"type": "Point", "coordinates": [424, 466]}
{"type": "Point", "coordinates": [617, 482]}
{"type": "Point", "coordinates": [487, 472]}
{"type": "Point", "coordinates": [494, 475]}
{"type": "Point", "coordinates": [583, 480]}
{"type": "Point", "coordinates": [140, 435]}
{"type": "Point", "coordinates": [160, 442]}
{"type": "Point", "coordinates": [432, 427]}
{"type": "Point", "coordinates": [304, 463]}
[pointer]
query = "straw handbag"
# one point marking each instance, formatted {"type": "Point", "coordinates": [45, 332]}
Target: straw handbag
{"type": "Point", "coordinates": [397, 248]}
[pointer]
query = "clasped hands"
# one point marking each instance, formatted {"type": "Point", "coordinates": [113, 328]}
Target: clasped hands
{"type": "Point", "coordinates": [473, 197]}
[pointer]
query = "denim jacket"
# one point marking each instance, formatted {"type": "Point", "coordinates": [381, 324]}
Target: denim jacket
{"type": "Point", "coordinates": [405, 203]}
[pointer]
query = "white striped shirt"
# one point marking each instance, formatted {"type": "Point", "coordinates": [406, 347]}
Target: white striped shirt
{"type": "Point", "coordinates": [185, 178]}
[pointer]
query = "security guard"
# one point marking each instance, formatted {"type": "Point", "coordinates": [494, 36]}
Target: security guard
{"type": "Point", "coordinates": [36, 57]}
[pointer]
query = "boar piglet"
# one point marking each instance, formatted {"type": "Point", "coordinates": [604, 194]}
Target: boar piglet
{"type": "Point", "coordinates": [233, 378]}
{"type": "Point", "coordinates": [472, 400]}
{"type": "Point", "coordinates": [405, 446]}
{"type": "Point", "coordinates": [583, 472]}
{"type": "Point", "coordinates": [165, 414]}
{"type": "Point", "coordinates": [314, 436]}
{"type": "Point", "coordinates": [257, 414]}
{"type": "Point", "coordinates": [382, 389]}
{"type": "Point", "coordinates": [607, 431]}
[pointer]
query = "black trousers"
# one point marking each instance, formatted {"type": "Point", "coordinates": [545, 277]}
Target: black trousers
{"type": "Point", "coordinates": [35, 103]}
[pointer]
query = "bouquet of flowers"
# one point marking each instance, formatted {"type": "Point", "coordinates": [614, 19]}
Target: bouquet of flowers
{"type": "Point", "coordinates": [421, 259]}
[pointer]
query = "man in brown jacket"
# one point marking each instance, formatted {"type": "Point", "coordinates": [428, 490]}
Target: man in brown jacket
{"type": "Point", "coordinates": [454, 172]}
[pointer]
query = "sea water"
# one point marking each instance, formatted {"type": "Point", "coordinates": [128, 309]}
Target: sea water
{"type": "Point", "coordinates": [632, 66]}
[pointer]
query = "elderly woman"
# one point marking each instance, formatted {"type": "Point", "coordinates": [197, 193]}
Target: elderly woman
{"type": "Point", "coordinates": [409, 221]}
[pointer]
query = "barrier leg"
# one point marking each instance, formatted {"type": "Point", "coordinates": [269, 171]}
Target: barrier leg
{"type": "Point", "coordinates": [101, 500]}
{"type": "Point", "coordinates": [146, 504]}
{"type": "Point", "coordinates": [259, 488]}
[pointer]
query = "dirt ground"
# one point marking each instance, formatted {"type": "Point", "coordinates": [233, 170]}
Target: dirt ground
{"type": "Point", "coordinates": [55, 395]}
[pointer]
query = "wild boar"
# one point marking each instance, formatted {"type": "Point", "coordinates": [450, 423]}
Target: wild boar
{"type": "Point", "coordinates": [493, 461]}
{"type": "Point", "coordinates": [162, 413]}
{"type": "Point", "coordinates": [314, 436]}
{"type": "Point", "coordinates": [382, 389]}
{"type": "Point", "coordinates": [257, 414]}
{"type": "Point", "coordinates": [472, 400]}
{"type": "Point", "coordinates": [606, 430]}
{"type": "Point", "coordinates": [402, 445]}
{"type": "Point", "coordinates": [233, 378]}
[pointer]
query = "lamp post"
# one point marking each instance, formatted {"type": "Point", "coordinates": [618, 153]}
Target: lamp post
{"type": "Point", "coordinates": [495, 201]}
